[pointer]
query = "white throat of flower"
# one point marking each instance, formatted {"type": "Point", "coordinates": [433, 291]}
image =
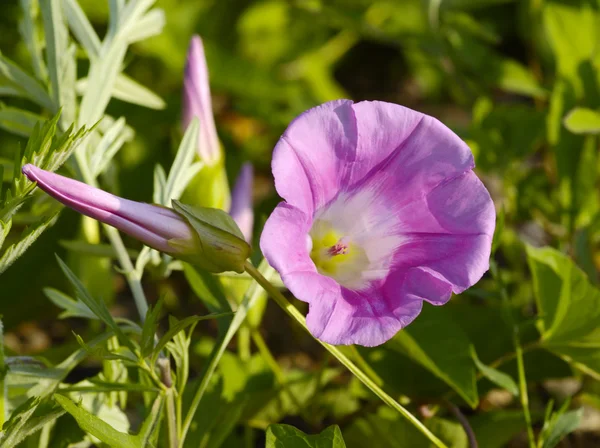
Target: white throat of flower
{"type": "Point", "coordinates": [353, 239]}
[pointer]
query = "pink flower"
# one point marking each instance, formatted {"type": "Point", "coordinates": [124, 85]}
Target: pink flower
{"type": "Point", "coordinates": [241, 201]}
{"type": "Point", "coordinates": [382, 211]}
{"type": "Point", "coordinates": [153, 225]}
{"type": "Point", "coordinates": [197, 102]}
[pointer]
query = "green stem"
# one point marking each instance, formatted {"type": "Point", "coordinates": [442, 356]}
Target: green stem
{"type": "Point", "coordinates": [252, 294]}
{"type": "Point", "coordinates": [296, 315]}
{"type": "Point", "coordinates": [243, 340]}
{"type": "Point", "coordinates": [510, 321]}
{"type": "Point", "coordinates": [523, 389]}
{"type": "Point", "coordinates": [364, 365]}
{"type": "Point", "coordinates": [172, 419]}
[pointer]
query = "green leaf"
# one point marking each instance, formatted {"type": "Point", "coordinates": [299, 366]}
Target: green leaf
{"type": "Point", "coordinates": [18, 121]}
{"type": "Point", "coordinates": [569, 308]}
{"type": "Point", "coordinates": [180, 326]}
{"type": "Point", "coordinates": [104, 71]}
{"type": "Point", "coordinates": [97, 306]}
{"type": "Point", "coordinates": [31, 37]}
{"type": "Point", "coordinates": [60, 60]}
{"type": "Point", "coordinates": [97, 427]}
{"type": "Point", "coordinates": [178, 179]}
{"type": "Point", "coordinates": [126, 89]}
{"type": "Point", "coordinates": [72, 308]}
{"type": "Point", "coordinates": [27, 419]}
{"type": "Point", "coordinates": [286, 436]}
{"type": "Point", "coordinates": [565, 424]}
{"type": "Point", "coordinates": [496, 429]}
{"type": "Point", "coordinates": [448, 357]}
{"type": "Point", "coordinates": [150, 25]}
{"type": "Point", "coordinates": [495, 376]}
{"type": "Point", "coordinates": [115, 134]}
{"type": "Point", "coordinates": [583, 121]}
{"type": "Point", "coordinates": [31, 88]}
{"type": "Point", "coordinates": [571, 28]}
{"type": "Point", "coordinates": [253, 294]}
{"type": "Point", "coordinates": [386, 428]}
{"type": "Point", "coordinates": [516, 78]}
{"type": "Point", "coordinates": [221, 245]}
{"type": "Point", "coordinates": [82, 28]}
{"type": "Point", "coordinates": [18, 248]}
{"type": "Point", "coordinates": [208, 289]}
{"type": "Point", "coordinates": [150, 327]}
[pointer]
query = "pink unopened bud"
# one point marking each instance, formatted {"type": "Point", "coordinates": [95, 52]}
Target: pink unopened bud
{"type": "Point", "coordinates": [153, 225]}
{"type": "Point", "coordinates": [241, 201]}
{"type": "Point", "coordinates": [197, 102]}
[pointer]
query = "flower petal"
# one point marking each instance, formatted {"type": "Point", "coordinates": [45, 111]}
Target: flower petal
{"type": "Point", "coordinates": [284, 241]}
{"type": "Point", "coordinates": [197, 101]}
{"type": "Point", "coordinates": [308, 158]}
{"type": "Point", "coordinates": [340, 316]}
{"type": "Point", "coordinates": [450, 231]}
{"type": "Point", "coordinates": [151, 224]}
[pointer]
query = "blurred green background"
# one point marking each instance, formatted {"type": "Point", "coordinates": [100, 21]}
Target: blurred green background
{"type": "Point", "coordinates": [505, 75]}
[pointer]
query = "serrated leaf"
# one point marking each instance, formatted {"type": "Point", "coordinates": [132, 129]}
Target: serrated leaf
{"type": "Point", "coordinates": [495, 376]}
{"type": "Point", "coordinates": [17, 249]}
{"type": "Point", "coordinates": [27, 419]}
{"type": "Point", "coordinates": [286, 436]}
{"type": "Point", "coordinates": [583, 121]}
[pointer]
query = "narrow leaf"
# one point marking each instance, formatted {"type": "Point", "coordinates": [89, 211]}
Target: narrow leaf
{"type": "Point", "coordinates": [95, 426]}
{"type": "Point", "coordinates": [495, 376]}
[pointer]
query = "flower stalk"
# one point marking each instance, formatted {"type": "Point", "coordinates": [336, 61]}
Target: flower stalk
{"type": "Point", "coordinates": [291, 311]}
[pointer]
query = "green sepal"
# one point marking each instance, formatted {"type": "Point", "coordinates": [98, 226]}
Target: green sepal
{"type": "Point", "coordinates": [220, 245]}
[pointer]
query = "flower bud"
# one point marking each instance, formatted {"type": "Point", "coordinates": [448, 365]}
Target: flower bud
{"type": "Point", "coordinates": [197, 102]}
{"type": "Point", "coordinates": [190, 236]}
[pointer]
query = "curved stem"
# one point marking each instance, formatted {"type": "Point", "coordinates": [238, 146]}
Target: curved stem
{"type": "Point", "coordinates": [463, 422]}
{"type": "Point", "coordinates": [345, 361]}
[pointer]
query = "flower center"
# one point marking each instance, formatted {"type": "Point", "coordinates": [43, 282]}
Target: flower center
{"type": "Point", "coordinates": [336, 256]}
